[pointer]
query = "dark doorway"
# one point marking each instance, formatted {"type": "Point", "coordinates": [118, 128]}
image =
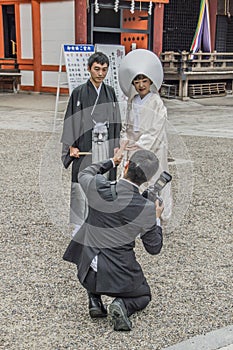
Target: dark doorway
{"type": "Point", "coordinates": [8, 13]}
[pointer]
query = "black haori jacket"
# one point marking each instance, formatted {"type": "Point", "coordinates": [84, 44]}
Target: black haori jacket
{"type": "Point", "coordinates": [83, 109]}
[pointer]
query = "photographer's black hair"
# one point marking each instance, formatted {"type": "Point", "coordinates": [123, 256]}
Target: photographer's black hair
{"type": "Point", "coordinates": [98, 57]}
{"type": "Point", "coordinates": [143, 165]}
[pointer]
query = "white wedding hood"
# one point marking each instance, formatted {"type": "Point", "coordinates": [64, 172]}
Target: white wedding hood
{"type": "Point", "coordinates": [139, 61]}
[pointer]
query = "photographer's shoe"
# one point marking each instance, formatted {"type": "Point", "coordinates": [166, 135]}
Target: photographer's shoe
{"type": "Point", "coordinates": [118, 314]}
{"type": "Point", "coordinates": [96, 307]}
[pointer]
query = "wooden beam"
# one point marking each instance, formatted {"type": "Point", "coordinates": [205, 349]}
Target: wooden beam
{"type": "Point", "coordinates": [158, 29]}
{"type": "Point", "coordinates": [17, 31]}
{"type": "Point", "coordinates": [36, 34]}
{"type": "Point", "coordinates": [80, 21]}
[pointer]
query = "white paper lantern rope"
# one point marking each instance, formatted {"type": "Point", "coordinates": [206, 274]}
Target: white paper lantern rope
{"type": "Point", "coordinates": [150, 8]}
{"type": "Point", "coordinates": [97, 7]}
{"type": "Point", "coordinates": [132, 6]}
{"type": "Point", "coordinates": [116, 6]}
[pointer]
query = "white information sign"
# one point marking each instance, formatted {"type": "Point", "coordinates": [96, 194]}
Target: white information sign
{"type": "Point", "coordinates": [115, 54]}
{"type": "Point", "coordinates": [76, 57]}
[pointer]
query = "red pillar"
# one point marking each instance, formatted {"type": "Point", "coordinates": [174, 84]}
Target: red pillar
{"type": "Point", "coordinates": [36, 34]}
{"type": "Point", "coordinates": [158, 28]}
{"type": "Point", "coordinates": [213, 6]}
{"type": "Point", "coordinates": [80, 21]}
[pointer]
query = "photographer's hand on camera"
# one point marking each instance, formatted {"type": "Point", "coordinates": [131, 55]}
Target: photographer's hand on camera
{"type": "Point", "coordinates": [158, 209]}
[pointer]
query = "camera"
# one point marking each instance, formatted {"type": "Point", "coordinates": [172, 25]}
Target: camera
{"type": "Point", "coordinates": [153, 192]}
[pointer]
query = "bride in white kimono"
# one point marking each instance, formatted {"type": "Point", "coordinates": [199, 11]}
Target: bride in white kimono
{"type": "Point", "coordinates": [140, 78]}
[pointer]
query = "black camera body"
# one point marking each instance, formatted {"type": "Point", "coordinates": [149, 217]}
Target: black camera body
{"type": "Point", "coordinates": [153, 192]}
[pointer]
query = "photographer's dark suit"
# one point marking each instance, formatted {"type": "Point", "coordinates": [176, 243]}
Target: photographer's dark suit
{"type": "Point", "coordinates": [109, 232]}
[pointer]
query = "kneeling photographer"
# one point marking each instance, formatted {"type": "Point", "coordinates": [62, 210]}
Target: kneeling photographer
{"type": "Point", "coordinates": [103, 248]}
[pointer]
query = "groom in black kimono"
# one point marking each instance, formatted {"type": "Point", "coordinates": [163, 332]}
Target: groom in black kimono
{"type": "Point", "coordinates": [90, 104]}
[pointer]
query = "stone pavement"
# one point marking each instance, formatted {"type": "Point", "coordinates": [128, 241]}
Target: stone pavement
{"type": "Point", "coordinates": [201, 117]}
{"type": "Point", "coordinates": [221, 339]}
{"type": "Point", "coordinates": [216, 121]}
{"type": "Point", "coordinates": [210, 117]}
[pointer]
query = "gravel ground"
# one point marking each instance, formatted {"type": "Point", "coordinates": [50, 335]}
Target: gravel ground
{"type": "Point", "coordinates": [42, 305]}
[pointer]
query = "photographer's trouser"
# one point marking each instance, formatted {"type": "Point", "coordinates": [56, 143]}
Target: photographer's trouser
{"type": "Point", "coordinates": [78, 204]}
{"type": "Point", "coordinates": [134, 301]}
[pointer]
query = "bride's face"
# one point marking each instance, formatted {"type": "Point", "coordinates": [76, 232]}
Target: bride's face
{"type": "Point", "coordinates": [142, 86]}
